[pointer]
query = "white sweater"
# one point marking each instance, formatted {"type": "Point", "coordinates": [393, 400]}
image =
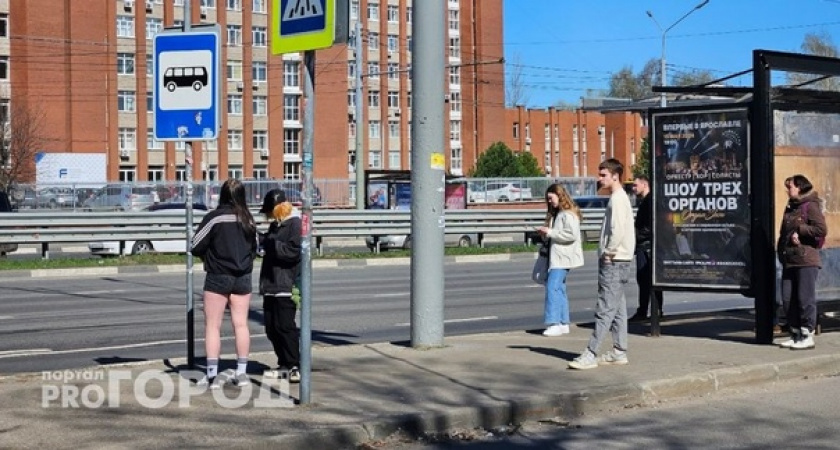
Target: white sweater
{"type": "Point", "coordinates": [618, 236]}
{"type": "Point", "coordinates": [566, 249]}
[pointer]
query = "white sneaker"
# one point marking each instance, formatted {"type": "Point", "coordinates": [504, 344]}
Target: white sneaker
{"type": "Point", "coordinates": [553, 330]}
{"type": "Point", "coordinates": [565, 328]}
{"type": "Point", "coordinates": [616, 357]}
{"type": "Point", "coordinates": [788, 343]}
{"type": "Point", "coordinates": [805, 343]}
{"type": "Point", "coordinates": [586, 360]}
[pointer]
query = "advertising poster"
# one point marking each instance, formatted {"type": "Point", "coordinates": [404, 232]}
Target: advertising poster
{"type": "Point", "coordinates": [456, 196]}
{"type": "Point", "coordinates": [377, 195]}
{"type": "Point", "coordinates": [700, 193]}
{"type": "Point", "coordinates": [403, 194]}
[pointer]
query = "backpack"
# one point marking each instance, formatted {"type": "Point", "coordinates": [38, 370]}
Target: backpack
{"type": "Point", "coordinates": [803, 211]}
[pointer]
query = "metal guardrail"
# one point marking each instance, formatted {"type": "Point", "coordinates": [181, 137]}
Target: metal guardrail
{"type": "Point", "coordinates": [45, 228]}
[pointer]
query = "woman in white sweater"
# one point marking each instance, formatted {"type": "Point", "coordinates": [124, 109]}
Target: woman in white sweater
{"type": "Point", "coordinates": [561, 236]}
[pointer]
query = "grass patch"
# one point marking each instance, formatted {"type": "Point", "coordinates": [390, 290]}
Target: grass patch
{"type": "Point", "coordinates": [165, 259]}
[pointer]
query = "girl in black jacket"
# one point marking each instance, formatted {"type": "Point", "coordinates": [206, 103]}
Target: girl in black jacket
{"type": "Point", "coordinates": [278, 278]}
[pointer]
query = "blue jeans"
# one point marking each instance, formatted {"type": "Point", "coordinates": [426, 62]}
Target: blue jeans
{"type": "Point", "coordinates": [556, 300]}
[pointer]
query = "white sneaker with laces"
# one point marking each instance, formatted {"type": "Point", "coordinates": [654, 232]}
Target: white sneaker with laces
{"type": "Point", "coordinates": [586, 360]}
{"type": "Point", "coordinates": [565, 328]}
{"type": "Point", "coordinates": [553, 330]}
{"type": "Point", "coordinates": [614, 357]}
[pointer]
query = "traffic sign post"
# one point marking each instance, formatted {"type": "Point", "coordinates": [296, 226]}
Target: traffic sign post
{"type": "Point", "coordinates": [301, 25]}
{"type": "Point", "coordinates": [186, 84]}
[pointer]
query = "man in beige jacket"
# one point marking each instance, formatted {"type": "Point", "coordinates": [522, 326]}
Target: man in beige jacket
{"type": "Point", "coordinates": [615, 253]}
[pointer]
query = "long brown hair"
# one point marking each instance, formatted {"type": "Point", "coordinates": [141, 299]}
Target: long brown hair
{"type": "Point", "coordinates": [566, 203]}
{"type": "Point", "coordinates": [233, 194]}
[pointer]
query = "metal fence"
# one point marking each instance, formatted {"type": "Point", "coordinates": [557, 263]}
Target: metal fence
{"type": "Point", "coordinates": [328, 193]}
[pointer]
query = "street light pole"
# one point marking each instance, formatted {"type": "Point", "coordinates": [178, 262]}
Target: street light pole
{"type": "Point", "coordinates": [663, 102]}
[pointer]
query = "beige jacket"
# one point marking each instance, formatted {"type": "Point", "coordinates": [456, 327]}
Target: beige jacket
{"type": "Point", "coordinates": [566, 248]}
{"type": "Point", "coordinates": [618, 234]}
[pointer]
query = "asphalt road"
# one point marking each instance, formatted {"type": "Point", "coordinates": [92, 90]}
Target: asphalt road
{"type": "Point", "coordinates": [50, 324]}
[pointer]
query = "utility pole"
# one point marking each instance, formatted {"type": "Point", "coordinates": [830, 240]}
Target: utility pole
{"type": "Point", "coordinates": [188, 159]}
{"type": "Point", "coordinates": [306, 218]}
{"type": "Point", "coordinates": [361, 194]}
{"type": "Point", "coordinates": [428, 169]}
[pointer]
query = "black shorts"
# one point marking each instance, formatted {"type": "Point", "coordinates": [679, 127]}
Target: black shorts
{"type": "Point", "coordinates": [227, 284]}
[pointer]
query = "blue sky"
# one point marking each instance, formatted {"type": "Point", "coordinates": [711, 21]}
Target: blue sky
{"type": "Point", "coordinates": [568, 46]}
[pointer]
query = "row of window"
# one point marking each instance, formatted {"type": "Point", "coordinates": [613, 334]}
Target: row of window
{"type": "Point", "coordinates": [259, 6]}
{"type": "Point", "coordinates": [259, 35]}
{"type": "Point", "coordinates": [291, 171]}
{"type": "Point", "coordinates": [259, 69]}
{"type": "Point", "coordinates": [127, 141]}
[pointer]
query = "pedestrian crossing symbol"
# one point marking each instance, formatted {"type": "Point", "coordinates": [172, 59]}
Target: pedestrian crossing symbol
{"type": "Point", "coordinates": [300, 25]}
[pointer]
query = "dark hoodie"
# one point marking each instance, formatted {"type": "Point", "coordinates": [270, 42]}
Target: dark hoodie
{"type": "Point", "coordinates": [802, 215]}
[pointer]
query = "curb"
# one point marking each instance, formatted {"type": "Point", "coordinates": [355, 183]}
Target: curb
{"type": "Point", "coordinates": [316, 264]}
{"type": "Point", "coordinates": [567, 405]}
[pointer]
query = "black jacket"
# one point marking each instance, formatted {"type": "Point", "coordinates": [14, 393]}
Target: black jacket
{"type": "Point", "coordinates": [224, 244]}
{"type": "Point", "coordinates": [281, 262]}
{"type": "Point", "coordinates": [644, 224]}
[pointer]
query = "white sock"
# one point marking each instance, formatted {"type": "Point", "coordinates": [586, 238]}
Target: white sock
{"type": "Point", "coordinates": [212, 367]}
{"type": "Point", "coordinates": [241, 364]}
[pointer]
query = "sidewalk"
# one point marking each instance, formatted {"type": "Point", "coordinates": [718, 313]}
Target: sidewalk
{"type": "Point", "coordinates": [365, 392]}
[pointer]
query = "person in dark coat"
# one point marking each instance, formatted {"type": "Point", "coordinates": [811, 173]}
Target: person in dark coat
{"type": "Point", "coordinates": [801, 235]}
{"type": "Point", "coordinates": [644, 244]}
{"type": "Point", "coordinates": [279, 274]}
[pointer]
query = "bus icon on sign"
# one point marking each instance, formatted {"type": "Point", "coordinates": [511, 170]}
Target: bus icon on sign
{"type": "Point", "coordinates": [180, 77]}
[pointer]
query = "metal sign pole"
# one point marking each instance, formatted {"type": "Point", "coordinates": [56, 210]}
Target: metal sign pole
{"type": "Point", "coordinates": [306, 248]}
{"type": "Point", "coordinates": [189, 227]}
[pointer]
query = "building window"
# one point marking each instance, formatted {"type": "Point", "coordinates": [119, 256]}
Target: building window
{"type": "Point", "coordinates": [291, 171]}
{"type": "Point", "coordinates": [234, 70]}
{"type": "Point", "coordinates": [455, 159]}
{"type": "Point", "coordinates": [128, 174]}
{"type": "Point", "coordinates": [260, 172]}
{"type": "Point", "coordinates": [234, 5]}
{"type": "Point", "coordinates": [351, 71]}
{"type": "Point", "coordinates": [4, 67]}
{"type": "Point", "coordinates": [454, 130]}
{"type": "Point", "coordinates": [516, 130]}
{"type": "Point", "coordinates": [260, 139]}
{"type": "Point", "coordinates": [234, 138]}
{"type": "Point", "coordinates": [150, 65]}
{"type": "Point", "coordinates": [208, 3]}
{"type": "Point", "coordinates": [125, 63]}
{"type": "Point", "coordinates": [291, 107]}
{"type": "Point", "coordinates": [150, 102]}
{"type": "Point", "coordinates": [393, 13]}
{"type": "Point", "coordinates": [374, 129]}
{"type": "Point", "coordinates": [373, 40]}
{"type": "Point", "coordinates": [151, 142]}
{"type": "Point", "coordinates": [394, 159]}
{"type": "Point", "coordinates": [454, 20]}
{"type": "Point", "coordinates": [454, 47]}
{"type": "Point", "coordinates": [125, 26]}
{"type": "Point", "coordinates": [373, 70]}
{"type": "Point", "coordinates": [291, 142]}
{"type": "Point", "coordinates": [408, 14]}
{"type": "Point", "coordinates": [393, 71]}
{"type": "Point", "coordinates": [260, 105]}
{"type": "Point", "coordinates": [260, 36]}
{"type": "Point", "coordinates": [373, 99]}
{"type": "Point", "coordinates": [375, 158]}
{"type": "Point", "coordinates": [259, 71]}
{"type": "Point", "coordinates": [234, 35]}
{"type": "Point", "coordinates": [234, 104]}
{"type": "Point", "coordinates": [155, 173]}
{"type": "Point", "coordinates": [153, 26]}
{"type": "Point", "coordinates": [259, 6]}
{"type": "Point", "coordinates": [393, 43]}
{"type": "Point", "coordinates": [291, 74]}
{"type": "Point", "coordinates": [354, 9]}
{"type": "Point", "coordinates": [126, 101]}
{"type": "Point", "coordinates": [455, 102]}
{"type": "Point", "coordinates": [352, 128]}
{"type": "Point", "coordinates": [127, 139]}
{"type": "Point", "coordinates": [393, 99]}
{"type": "Point", "coordinates": [4, 25]}
{"type": "Point", "coordinates": [394, 128]}
{"type": "Point", "coordinates": [455, 76]}
{"type": "Point", "coordinates": [235, 172]}
{"type": "Point", "coordinates": [408, 45]}
{"type": "Point", "coordinates": [351, 98]}
{"type": "Point", "coordinates": [373, 11]}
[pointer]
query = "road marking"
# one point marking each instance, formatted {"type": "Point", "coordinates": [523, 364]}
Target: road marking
{"type": "Point", "coordinates": [469, 319]}
{"type": "Point", "coordinates": [106, 291]}
{"type": "Point", "coordinates": [6, 317]}
{"type": "Point", "coordinates": [26, 352]}
{"type": "Point", "coordinates": [392, 294]}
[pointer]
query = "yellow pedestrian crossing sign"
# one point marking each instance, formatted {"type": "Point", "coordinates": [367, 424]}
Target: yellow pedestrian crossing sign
{"type": "Point", "coordinates": [300, 25]}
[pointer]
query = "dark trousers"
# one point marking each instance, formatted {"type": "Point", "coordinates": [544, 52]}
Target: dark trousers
{"type": "Point", "coordinates": [799, 293]}
{"type": "Point", "coordinates": [282, 331]}
{"type": "Point", "coordinates": [644, 277]}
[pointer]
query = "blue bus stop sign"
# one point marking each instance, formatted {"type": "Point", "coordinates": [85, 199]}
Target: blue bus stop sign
{"type": "Point", "coordinates": [186, 85]}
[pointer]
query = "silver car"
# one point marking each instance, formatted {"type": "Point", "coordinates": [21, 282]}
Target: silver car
{"type": "Point", "coordinates": [404, 241]}
{"type": "Point", "coordinates": [121, 197]}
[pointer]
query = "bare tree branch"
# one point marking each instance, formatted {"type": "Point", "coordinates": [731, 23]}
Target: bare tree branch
{"type": "Point", "coordinates": [23, 137]}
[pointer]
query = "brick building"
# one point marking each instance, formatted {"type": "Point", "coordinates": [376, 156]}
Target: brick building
{"type": "Point", "coordinates": [87, 65]}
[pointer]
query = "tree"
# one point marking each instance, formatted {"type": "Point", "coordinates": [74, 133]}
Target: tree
{"type": "Point", "coordinates": [819, 44]}
{"type": "Point", "coordinates": [22, 137]}
{"type": "Point", "coordinates": [693, 78]}
{"type": "Point", "coordinates": [642, 166]}
{"type": "Point", "coordinates": [515, 92]}
{"type": "Point", "coordinates": [626, 84]}
{"type": "Point", "coordinates": [500, 161]}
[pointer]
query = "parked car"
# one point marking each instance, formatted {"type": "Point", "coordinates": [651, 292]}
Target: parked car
{"type": "Point", "coordinates": [499, 191]}
{"type": "Point", "coordinates": [404, 241]}
{"type": "Point", "coordinates": [122, 197]}
{"type": "Point", "coordinates": [6, 207]}
{"type": "Point", "coordinates": [112, 248]}
{"type": "Point", "coordinates": [53, 197]}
